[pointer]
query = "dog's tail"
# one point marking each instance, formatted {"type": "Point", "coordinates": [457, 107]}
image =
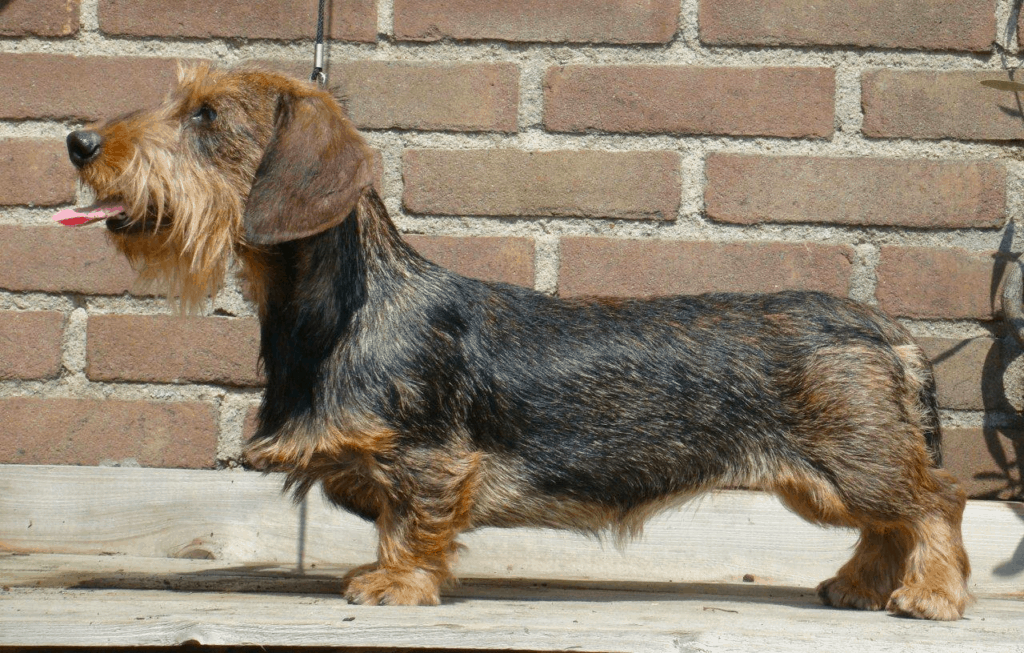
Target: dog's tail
{"type": "Point", "coordinates": [921, 398]}
{"type": "Point", "coordinates": [928, 397]}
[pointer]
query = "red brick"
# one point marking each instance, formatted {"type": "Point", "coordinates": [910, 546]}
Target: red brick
{"type": "Point", "coordinates": [66, 87]}
{"type": "Point", "coordinates": [489, 258]}
{"type": "Point", "coordinates": [417, 95]}
{"type": "Point", "coordinates": [968, 373]}
{"type": "Point", "coordinates": [91, 431]}
{"type": "Point", "coordinates": [581, 21]}
{"type": "Point", "coordinates": [909, 24]}
{"type": "Point", "coordinates": [938, 104]}
{"type": "Point", "coordinates": [630, 185]}
{"type": "Point", "coordinates": [39, 17]}
{"type": "Point", "coordinates": [790, 102]}
{"type": "Point", "coordinates": [604, 266]}
{"type": "Point", "coordinates": [30, 344]}
{"type": "Point", "coordinates": [857, 191]}
{"type": "Point", "coordinates": [166, 349]}
{"type": "Point", "coordinates": [58, 259]}
{"type": "Point", "coordinates": [289, 20]}
{"type": "Point", "coordinates": [451, 97]}
{"type": "Point", "coordinates": [928, 282]}
{"type": "Point", "coordinates": [35, 172]}
{"type": "Point", "coordinates": [989, 461]}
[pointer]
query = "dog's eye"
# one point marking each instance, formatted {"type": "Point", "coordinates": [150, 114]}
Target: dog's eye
{"type": "Point", "coordinates": [205, 114]}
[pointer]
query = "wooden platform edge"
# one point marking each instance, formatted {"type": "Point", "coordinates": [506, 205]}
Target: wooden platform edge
{"type": "Point", "coordinates": [241, 518]}
{"type": "Point", "coordinates": [103, 601]}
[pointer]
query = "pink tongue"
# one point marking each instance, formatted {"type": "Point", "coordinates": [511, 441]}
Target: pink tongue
{"type": "Point", "coordinates": [87, 214]}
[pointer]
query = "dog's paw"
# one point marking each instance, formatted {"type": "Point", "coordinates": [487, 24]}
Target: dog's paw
{"type": "Point", "coordinates": [382, 587]}
{"type": "Point", "coordinates": [841, 592]}
{"type": "Point", "coordinates": [924, 603]}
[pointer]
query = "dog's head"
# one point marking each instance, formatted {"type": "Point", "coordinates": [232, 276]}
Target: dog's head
{"type": "Point", "coordinates": [230, 161]}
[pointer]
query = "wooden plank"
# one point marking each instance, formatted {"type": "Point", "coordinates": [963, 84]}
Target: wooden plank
{"type": "Point", "coordinates": [50, 570]}
{"type": "Point", "coordinates": [59, 600]}
{"type": "Point", "coordinates": [240, 517]}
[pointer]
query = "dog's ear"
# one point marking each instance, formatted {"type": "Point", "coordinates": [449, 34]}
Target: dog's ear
{"type": "Point", "coordinates": [313, 171]}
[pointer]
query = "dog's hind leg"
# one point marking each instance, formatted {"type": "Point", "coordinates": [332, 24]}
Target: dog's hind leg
{"type": "Point", "coordinates": [912, 564]}
{"type": "Point", "coordinates": [936, 567]}
{"type": "Point", "coordinates": [869, 462]}
{"type": "Point", "coordinates": [869, 578]}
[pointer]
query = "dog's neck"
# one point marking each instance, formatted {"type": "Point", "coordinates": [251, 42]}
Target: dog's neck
{"type": "Point", "coordinates": [310, 294]}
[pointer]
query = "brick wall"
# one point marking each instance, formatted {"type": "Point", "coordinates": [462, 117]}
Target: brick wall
{"type": "Point", "coordinates": [593, 146]}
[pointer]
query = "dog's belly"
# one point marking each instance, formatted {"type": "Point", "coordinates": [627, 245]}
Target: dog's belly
{"type": "Point", "coordinates": [592, 491]}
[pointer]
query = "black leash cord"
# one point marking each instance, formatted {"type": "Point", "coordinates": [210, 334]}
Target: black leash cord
{"type": "Point", "coordinates": [318, 75]}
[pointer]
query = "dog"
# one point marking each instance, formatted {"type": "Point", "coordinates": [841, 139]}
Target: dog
{"type": "Point", "coordinates": [433, 404]}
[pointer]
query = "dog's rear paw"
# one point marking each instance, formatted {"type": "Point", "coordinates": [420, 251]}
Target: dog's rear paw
{"type": "Point", "coordinates": [923, 603]}
{"type": "Point", "coordinates": [382, 587]}
{"type": "Point", "coordinates": [841, 592]}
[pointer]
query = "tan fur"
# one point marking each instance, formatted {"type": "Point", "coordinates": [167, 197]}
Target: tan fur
{"type": "Point", "coordinates": [148, 164]}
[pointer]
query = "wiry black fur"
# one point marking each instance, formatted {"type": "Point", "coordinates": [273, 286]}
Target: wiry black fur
{"type": "Point", "coordinates": [619, 403]}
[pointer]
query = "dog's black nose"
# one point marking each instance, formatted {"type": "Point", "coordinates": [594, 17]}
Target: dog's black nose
{"type": "Point", "coordinates": [83, 146]}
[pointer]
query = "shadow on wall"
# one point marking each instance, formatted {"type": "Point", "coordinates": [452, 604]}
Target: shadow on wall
{"type": "Point", "coordinates": [1002, 379]}
{"type": "Point", "coordinates": [997, 470]}
{"type": "Point", "coordinates": [1003, 367]}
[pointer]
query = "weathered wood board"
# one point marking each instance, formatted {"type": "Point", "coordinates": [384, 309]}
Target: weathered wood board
{"type": "Point", "coordinates": [106, 601]}
{"type": "Point", "coordinates": [240, 517]}
{"type": "Point", "coordinates": [146, 557]}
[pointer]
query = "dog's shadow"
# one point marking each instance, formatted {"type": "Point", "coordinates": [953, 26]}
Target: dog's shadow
{"type": "Point", "coordinates": [275, 579]}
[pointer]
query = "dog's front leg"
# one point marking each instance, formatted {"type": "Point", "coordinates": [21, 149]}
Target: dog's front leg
{"type": "Point", "coordinates": [413, 560]}
{"type": "Point", "coordinates": [418, 530]}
